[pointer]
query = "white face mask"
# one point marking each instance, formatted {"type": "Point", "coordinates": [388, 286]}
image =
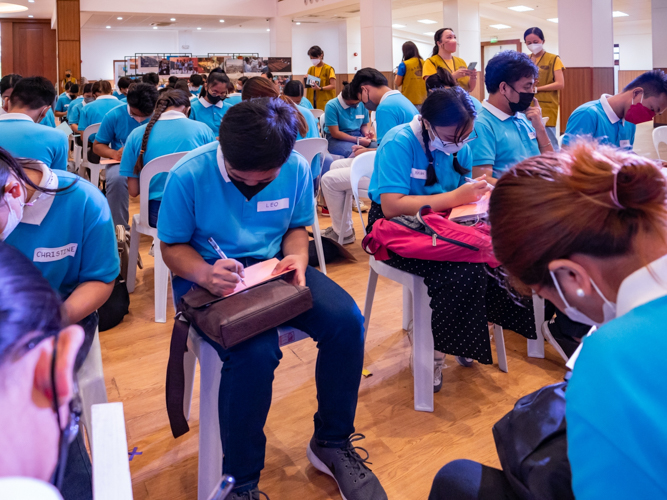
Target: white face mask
{"type": "Point", "coordinates": [535, 48]}
{"type": "Point", "coordinates": [435, 143]}
{"type": "Point", "coordinates": [608, 308]}
{"type": "Point", "coordinates": [13, 218]}
{"type": "Point", "coordinates": [315, 62]}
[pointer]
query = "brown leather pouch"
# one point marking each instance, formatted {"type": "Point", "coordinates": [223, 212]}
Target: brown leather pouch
{"type": "Point", "coordinates": [227, 321]}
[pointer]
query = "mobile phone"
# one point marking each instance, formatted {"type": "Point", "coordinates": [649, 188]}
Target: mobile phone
{"type": "Point", "coordinates": [472, 66]}
{"type": "Point", "coordinates": [223, 488]}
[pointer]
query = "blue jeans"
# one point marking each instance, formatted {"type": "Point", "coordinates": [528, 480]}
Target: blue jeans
{"type": "Point", "coordinates": [342, 148]}
{"type": "Point", "coordinates": [336, 324]}
{"type": "Point", "coordinates": [153, 211]}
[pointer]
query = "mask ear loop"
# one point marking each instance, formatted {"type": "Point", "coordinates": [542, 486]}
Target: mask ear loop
{"type": "Point", "coordinates": [560, 293]}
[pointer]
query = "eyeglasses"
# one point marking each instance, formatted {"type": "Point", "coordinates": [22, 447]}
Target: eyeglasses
{"type": "Point", "coordinates": [471, 137]}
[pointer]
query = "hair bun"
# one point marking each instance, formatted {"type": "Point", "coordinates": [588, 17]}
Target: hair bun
{"type": "Point", "coordinates": [640, 184]}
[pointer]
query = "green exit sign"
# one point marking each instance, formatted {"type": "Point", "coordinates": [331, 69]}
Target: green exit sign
{"type": "Point", "coordinates": [494, 39]}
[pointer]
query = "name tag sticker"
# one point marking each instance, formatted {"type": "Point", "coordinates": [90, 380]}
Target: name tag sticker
{"type": "Point", "coordinates": [270, 206]}
{"type": "Point", "coordinates": [54, 254]}
{"type": "Point", "coordinates": [359, 117]}
{"type": "Point", "coordinates": [418, 174]}
{"type": "Point", "coordinates": [532, 135]}
{"type": "Point", "coordinates": [625, 143]}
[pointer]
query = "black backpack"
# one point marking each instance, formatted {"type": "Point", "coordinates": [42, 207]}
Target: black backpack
{"type": "Point", "coordinates": [118, 304]}
{"type": "Point", "coordinates": [531, 441]}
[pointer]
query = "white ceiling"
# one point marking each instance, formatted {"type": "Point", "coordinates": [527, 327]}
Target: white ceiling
{"type": "Point", "coordinates": [136, 22]}
{"type": "Point", "coordinates": [39, 9]}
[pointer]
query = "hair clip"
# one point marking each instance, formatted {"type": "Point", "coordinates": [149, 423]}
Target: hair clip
{"type": "Point", "coordinates": [614, 192]}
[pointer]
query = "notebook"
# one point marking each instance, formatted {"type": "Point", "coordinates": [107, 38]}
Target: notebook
{"type": "Point", "coordinates": [258, 274]}
{"type": "Point", "coordinates": [310, 80]}
{"type": "Point", "coordinates": [472, 211]}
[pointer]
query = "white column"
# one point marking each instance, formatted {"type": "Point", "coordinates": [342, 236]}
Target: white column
{"type": "Point", "coordinates": [463, 17]}
{"type": "Point", "coordinates": [659, 33]}
{"type": "Point", "coordinates": [376, 37]}
{"type": "Point", "coordinates": [280, 36]}
{"type": "Point", "coordinates": [593, 45]}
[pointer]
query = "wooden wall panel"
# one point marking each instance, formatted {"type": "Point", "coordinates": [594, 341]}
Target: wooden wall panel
{"type": "Point", "coordinates": [69, 38]}
{"type": "Point", "coordinates": [583, 85]}
{"type": "Point", "coordinates": [625, 77]}
{"type": "Point", "coordinates": [29, 48]}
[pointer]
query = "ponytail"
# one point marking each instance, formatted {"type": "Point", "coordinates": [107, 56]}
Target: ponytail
{"type": "Point", "coordinates": [169, 99]}
{"type": "Point", "coordinates": [431, 176]}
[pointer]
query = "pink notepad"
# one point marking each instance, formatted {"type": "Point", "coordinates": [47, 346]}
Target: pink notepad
{"type": "Point", "coordinates": [108, 161]}
{"type": "Point", "coordinates": [471, 211]}
{"type": "Point", "coordinates": [258, 274]}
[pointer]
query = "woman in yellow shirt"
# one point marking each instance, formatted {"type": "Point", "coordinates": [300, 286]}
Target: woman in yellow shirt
{"type": "Point", "coordinates": [549, 81]}
{"type": "Point", "coordinates": [443, 57]}
{"type": "Point", "coordinates": [320, 93]}
{"type": "Point", "coordinates": [409, 75]}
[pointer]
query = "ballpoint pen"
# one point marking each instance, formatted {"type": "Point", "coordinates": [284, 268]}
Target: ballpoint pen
{"type": "Point", "coordinates": [220, 253]}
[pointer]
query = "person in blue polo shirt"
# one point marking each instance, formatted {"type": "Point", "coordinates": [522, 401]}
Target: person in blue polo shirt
{"type": "Point", "coordinates": [294, 89]}
{"type": "Point", "coordinates": [195, 82]}
{"type": "Point", "coordinates": [264, 192]}
{"type": "Point", "coordinates": [346, 124]}
{"type": "Point", "coordinates": [210, 108]}
{"type": "Point", "coordinates": [443, 79]}
{"type": "Point", "coordinates": [74, 110]}
{"type": "Point", "coordinates": [20, 132]}
{"type": "Point", "coordinates": [8, 84]}
{"type": "Point", "coordinates": [613, 119]}
{"type": "Point", "coordinates": [168, 131]}
{"type": "Point", "coordinates": [123, 88]}
{"type": "Point", "coordinates": [110, 140]}
{"type": "Point", "coordinates": [64, 101]}
{"type": "Point", "coordinates": [63, 225]}
{"type": "Point", "coordinates": [509, 128]}
{"type": "Point", "coordinates": [391, 109]}
{"type": "Point", "coordinates": [95, 111]}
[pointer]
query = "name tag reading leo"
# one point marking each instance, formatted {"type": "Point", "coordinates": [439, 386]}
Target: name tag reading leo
{"type": "Point", "coordinates": [54, 254]}
{"type": "Point", "coordinates": [270, 206]}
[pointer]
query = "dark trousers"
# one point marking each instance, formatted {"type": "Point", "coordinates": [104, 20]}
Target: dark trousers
{"type": "Point", "coordinates": [153, 211]}
{"type": "Point", "coordinates": [468, 480]}
{"type": "Point", "coordinates": [78, 480]}
{"type": "Point", "coordinates": [336, 324]}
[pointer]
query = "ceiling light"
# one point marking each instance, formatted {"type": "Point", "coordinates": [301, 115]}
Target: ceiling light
{"type": "Point", "coordinates": [198, 28]}
{"type": "Point", "coordinates": [499, 26]}
{"type": "Point", "coordinates": [172, 19]}
{"type": "Point", "coordinates": [430, 33]}
{"type": "Point", "coordinates": [108, 27]}
{"type": "Point", "coordinates": [222, 20]}
{"type": "Point", "coordinates": [31, 16]}
{"type": "Point", "coordinates": [298, 24]}
{"type": "Point", "coordinates": [8, 8]}
{"type": "Point", "coordinates": [154, 27]}
{"type": "Point", "coordinates": [553, 20]}
{"type": "Point", "coordinates": [268, 29]}
{"type": "Point", "coordinates": [427, 21]}
{"type": "Point", "coordinates": [520, 8]}
{"type": "Point", "coordinates": [398, 25]}
{"type": "Point", "coordinates": [31, 1]}
{"type": "Point", "coordinates": [119, 18]}
{"type": "Point", "coordinates": [618, 13]}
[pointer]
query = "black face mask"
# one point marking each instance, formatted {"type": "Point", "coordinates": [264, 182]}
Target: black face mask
{"type": "Point", "coordinates": [249, 191]}
{"type": "Point", "coordinates": [213, 99]}
{"type": "Point", "coordinates": [525, 100]}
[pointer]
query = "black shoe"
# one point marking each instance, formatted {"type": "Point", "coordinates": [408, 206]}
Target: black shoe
{"type": "Point", "coordinates": [564, 344]}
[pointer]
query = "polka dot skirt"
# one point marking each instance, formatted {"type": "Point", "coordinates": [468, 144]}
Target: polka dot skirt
{"type": "Point", "coordinates": [465, 297]}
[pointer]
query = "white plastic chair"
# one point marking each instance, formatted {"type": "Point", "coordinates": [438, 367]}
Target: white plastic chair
{"type": "Point", "coordinates": [322, 125]}
{"type": "Point", "coordinates": [659, 135]}
{"type": "Point", "coordinates": [309, 148]}
{"type": "Point", "coordinates": [111, 468]}
{"type": "Point", "coordinates": [210, 366]}
{"type": "Point", "coordinates": [317, 113]}
{"type": "Point", "coordinates": [362, 166]}
{"type": "Point", "coordinates": [92, 389]}
{"type": "Point", "coordinates": [77, 154]}
{"type": "Point", "coordinates": [140, 225]}
{"type": "Point", "coordinates": [94, 168]}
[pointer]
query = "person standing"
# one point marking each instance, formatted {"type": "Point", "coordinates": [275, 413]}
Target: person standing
{"type": "Point", "coordinates": [550, 80]}
{"type": "Point", "coordinates": [68, 78]}
{"type": "Point", "coordinates": [443, 57]}
{"type": "Point", "coordinates": [409, 76]}
{"type": "Point", "coordinates": [320, 94]}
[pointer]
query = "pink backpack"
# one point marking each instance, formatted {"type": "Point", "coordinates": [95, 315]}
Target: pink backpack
{"type": "Point", "coordinates": [430, 235]}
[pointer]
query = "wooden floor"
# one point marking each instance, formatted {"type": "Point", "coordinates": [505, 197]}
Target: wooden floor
{"type": "Point", "coordinates": [407, 447]}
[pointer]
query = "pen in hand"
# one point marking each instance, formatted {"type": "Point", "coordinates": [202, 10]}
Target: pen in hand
{"type": "Point", "coordinates": [220, 253]}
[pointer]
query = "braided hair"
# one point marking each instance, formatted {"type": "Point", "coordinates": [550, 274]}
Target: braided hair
{"type": "Point", "coordinates": [262, 87]}
{"type": "Point", "coordinates": [171, 98]}
{"type": "Point", "coordinates": [443, 108]}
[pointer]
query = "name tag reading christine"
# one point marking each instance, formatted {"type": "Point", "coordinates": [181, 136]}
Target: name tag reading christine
{"type": "Point", "coordinates": [270, 206]}
{"type": "Point", "coordinates": [54, 254]}
{"type": "Point", "coordinates": [359, 117]}
{"type": "Point", "coordinates": [418, 174]}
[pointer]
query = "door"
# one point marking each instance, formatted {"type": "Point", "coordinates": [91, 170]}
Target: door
{"type": "Point", "coordinates": [491, 49]}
